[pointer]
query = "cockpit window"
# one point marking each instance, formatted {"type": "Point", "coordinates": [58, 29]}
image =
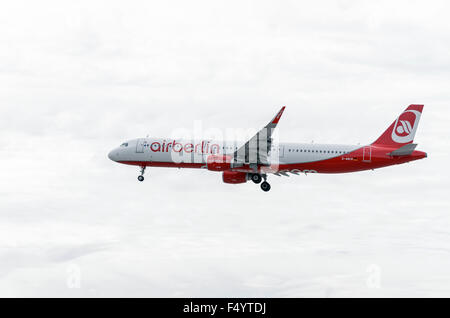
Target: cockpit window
{"type": "Point", "coordinates": [125, 144]}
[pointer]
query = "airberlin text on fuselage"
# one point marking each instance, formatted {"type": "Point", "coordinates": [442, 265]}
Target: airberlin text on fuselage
{"type": "Point", "coordinates": [203, 147]}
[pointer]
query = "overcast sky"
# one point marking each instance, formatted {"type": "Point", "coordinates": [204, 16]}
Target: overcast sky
{"type": "Point", "coordinates": [78, 78]}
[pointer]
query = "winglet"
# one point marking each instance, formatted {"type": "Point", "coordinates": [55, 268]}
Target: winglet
{"type": "Point", "coordinates": [278, 116]}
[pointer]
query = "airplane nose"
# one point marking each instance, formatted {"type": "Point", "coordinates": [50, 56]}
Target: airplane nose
{"type": "Point", "coordinates": [112, 155]}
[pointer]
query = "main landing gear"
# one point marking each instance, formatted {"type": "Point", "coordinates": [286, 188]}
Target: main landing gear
{"type": "Point", "coordinates": [141, 177]}
{"type": "Point", "coordinates": [257, 178]}
{"type": "Point", "coordinates": [265, 186]}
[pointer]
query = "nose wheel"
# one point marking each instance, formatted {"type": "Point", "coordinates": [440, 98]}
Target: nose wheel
{"type": "Point", "coordinates": [141, 177]}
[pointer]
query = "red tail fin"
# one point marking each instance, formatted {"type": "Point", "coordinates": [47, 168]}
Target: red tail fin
{"type": "Point", "coordinates": [403, 129]}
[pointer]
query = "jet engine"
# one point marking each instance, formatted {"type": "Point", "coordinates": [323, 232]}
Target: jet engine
{"type": "Point", "coordinates": [234, 177]}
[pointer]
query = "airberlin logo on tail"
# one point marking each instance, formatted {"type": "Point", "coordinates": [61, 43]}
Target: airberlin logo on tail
{"type": "Point", "coordinates": [405, 127]}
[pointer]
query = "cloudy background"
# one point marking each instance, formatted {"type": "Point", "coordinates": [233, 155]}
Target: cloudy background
{"type": "Point", "coordinates": [79, 78]}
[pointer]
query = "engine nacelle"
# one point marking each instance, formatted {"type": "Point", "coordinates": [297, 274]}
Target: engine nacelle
{"type": "Point", "coordinates": [218, 162]}
{"type": "Point", "coordinates": [234, 177]}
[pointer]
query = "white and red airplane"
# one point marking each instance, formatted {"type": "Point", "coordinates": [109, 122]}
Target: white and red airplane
{"type": "Point", "coordinates": [259, 156]}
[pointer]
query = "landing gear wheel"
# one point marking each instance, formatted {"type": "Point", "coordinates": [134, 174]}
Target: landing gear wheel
{"type": "Point", "coordinates": [141, 177]}
{"type": "Point", "coordinates": [256, 178]}
{"type": "Point", "coordinates": [265, 186]}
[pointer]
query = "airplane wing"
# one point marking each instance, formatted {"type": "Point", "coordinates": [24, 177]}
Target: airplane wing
{"type": "Point", "coordinates": [256, 151]}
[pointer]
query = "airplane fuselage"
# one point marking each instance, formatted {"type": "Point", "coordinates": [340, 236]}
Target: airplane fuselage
{"type": "Point", "coordinates": [285, 157]}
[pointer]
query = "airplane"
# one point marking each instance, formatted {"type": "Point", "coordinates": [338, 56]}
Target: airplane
{"type": "Point", "coordinates": [260, 156]}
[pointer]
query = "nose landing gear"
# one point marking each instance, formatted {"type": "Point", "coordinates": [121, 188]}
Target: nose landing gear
{"type": "Point", "coordinates": [141, 177]}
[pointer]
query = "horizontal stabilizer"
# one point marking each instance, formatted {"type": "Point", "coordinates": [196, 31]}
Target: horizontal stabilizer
{"type": "Point", "coordinates": [406, 150]}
